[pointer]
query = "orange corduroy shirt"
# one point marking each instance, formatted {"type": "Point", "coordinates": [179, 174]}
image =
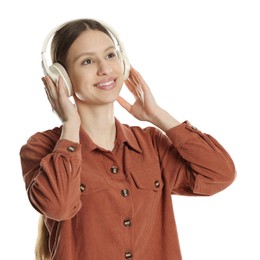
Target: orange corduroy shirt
{"type": "Point", "coordinates": [117, 205]}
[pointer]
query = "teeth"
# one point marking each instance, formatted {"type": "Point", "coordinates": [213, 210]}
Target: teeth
{"type": "Point", "coordinates": [105, 84]}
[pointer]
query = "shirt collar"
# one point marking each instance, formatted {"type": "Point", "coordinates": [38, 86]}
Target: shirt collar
{"type": "Point", "coordinates": [124, 134]}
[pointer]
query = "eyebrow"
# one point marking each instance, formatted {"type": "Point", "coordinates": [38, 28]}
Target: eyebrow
{"type": "Point", "coordinates": [92, 53]}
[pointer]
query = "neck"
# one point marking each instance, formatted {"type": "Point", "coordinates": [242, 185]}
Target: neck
{"type": "Point", "coordinates": [99, 123]}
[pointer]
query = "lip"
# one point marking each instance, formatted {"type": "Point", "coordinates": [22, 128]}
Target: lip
{"type": "Point", "coordinates": [106, 84]}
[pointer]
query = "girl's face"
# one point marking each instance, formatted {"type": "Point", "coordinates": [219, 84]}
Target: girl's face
{"type": "Point", "coordinates": [95, 69]}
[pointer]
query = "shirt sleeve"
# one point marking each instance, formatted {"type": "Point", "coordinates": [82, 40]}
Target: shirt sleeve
{"type": "Point", "coordinates": [52, 176]}
{"type": "Point", "coordinates": [194, 163]}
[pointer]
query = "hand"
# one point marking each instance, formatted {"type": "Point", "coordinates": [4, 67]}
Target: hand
{"type": "Point", "coordinates": [144, 108]}
{"type": "Point", "coordinates": [59, 101]}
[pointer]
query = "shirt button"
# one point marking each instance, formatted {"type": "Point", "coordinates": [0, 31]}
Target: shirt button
{"type": "Point", "coordinates": [157, 184]}
{"type": "Point", "coordinates": [71, 149]}
{"type": "Point", "coordinates": [114, 169]}
{"type": "Point", "coordinates": [127, 222]}
{"type": "Point", "coordinates": [128, 255]}
{"type": "Point", "coordinates": [124, 193]}
{"type": "Point", "coordinates": [82, 187]}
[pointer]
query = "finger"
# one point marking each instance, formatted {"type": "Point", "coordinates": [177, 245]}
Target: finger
{"type": "Point", "coordinates": [126, 105]}
{"type": "Point", "coordinates": [61, 88]}
{"type": "Point", "coordinates": [48, 91]}
{"type": "Point", "coordinates": [49, 98]}
{"type": "Point", "coordinates": [51, 87]}
{"type": "Point", "coordinates": [134, 81]}
{"type": "Point", "coordinates": [140, 92]}
{"type": "Point", "coordinates": [136, 87]}
{"type": "Point", "coordinates": [44, 81]}
{"type": "Point", "coordinates": [138, 78]}
{"type": "Point", "coordinates": [135, 78]}
{"type": "Point", "coordinates": [131, 88]}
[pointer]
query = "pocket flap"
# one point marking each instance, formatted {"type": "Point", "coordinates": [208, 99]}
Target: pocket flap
{"type": "Point", "coordinates": [92, 182]}
{"type": "Point", "coordinates": [148, 178]}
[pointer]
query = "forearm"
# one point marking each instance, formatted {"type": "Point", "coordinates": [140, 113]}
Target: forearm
{"type": "Point", "coordinates": [204, 158]}
{"type": "Point", "coordinates": [56, 189]}
{"type": "Point", "coordinates": [51, 170]}
{"type": "Point", "coordinates": [164, 120]}
{"type": "Point", "coordinates": [70, 131]}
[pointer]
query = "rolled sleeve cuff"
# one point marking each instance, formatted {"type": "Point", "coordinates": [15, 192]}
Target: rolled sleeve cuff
{"type": "Point", "coordinates": [182, 133]}
{"type": "Point", "coordinates": [69, 148]}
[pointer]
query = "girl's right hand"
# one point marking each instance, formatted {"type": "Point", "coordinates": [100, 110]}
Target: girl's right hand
{"type": "Point", "coordinates": [59, 101]}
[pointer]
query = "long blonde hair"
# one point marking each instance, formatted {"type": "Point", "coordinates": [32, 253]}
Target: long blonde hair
{"type": "Point", "coordinates": [42, 251]}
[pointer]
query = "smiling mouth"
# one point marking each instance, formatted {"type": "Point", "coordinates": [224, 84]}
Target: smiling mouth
{"type": "Point", "coordinates": [106, 85]}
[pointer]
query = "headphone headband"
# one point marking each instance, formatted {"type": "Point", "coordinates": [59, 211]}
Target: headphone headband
{"type": "Point", "coordinates": [45, 66]}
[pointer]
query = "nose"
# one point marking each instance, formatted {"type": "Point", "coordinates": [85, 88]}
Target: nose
{"type": "Point", "coordinates": [104, 68]}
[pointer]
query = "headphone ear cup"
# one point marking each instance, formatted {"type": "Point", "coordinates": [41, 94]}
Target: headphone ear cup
{"type": "Point", "coordinates": [57, 70]}
{"type": "Point", "coordinates": [126, 65]}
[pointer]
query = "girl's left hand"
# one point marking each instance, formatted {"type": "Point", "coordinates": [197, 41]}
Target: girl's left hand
{"type": "Point", "coordinates": [144, 108]}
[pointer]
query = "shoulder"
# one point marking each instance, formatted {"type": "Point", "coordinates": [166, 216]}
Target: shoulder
{"type": "Point", "coordinates": [50, 135]}
{"type": "Point", "coordinates": [147, 130]}
{"type": "Point", "coordinates": [43, 140]}
{"type": "Point", "coordinates": [148, 134]}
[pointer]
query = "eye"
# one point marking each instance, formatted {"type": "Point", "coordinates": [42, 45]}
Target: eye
{"type": "Point", "coordinates": [87, 62]}
{"type": "Point", "coordinates": [112, 55]}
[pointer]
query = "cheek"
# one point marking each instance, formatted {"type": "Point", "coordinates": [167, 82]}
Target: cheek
{"type": "Point", "coordinates": [120, 82]}
{"type": "Point", "coordinates": [78, 78]}
{"type": "Point", "coordinates": [117, 65]}
{"type": "Point", "coordinates": [119, 71]}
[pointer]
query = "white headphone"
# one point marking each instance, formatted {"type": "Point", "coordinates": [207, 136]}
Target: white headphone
{"type": "Point", "coordinates": [56, 70]}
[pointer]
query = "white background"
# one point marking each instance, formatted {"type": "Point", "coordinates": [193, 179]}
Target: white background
{"type": "Point", "coordinates": [200, 58]}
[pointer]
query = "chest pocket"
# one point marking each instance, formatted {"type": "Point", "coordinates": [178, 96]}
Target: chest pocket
{"type": "Point", "coordinates": [148, 178]}
{"type": "Point", "coordinates": [92, 182]}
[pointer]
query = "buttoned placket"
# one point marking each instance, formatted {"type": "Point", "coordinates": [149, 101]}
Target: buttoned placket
{"type": "Point", "coordinates": [115, 168]}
